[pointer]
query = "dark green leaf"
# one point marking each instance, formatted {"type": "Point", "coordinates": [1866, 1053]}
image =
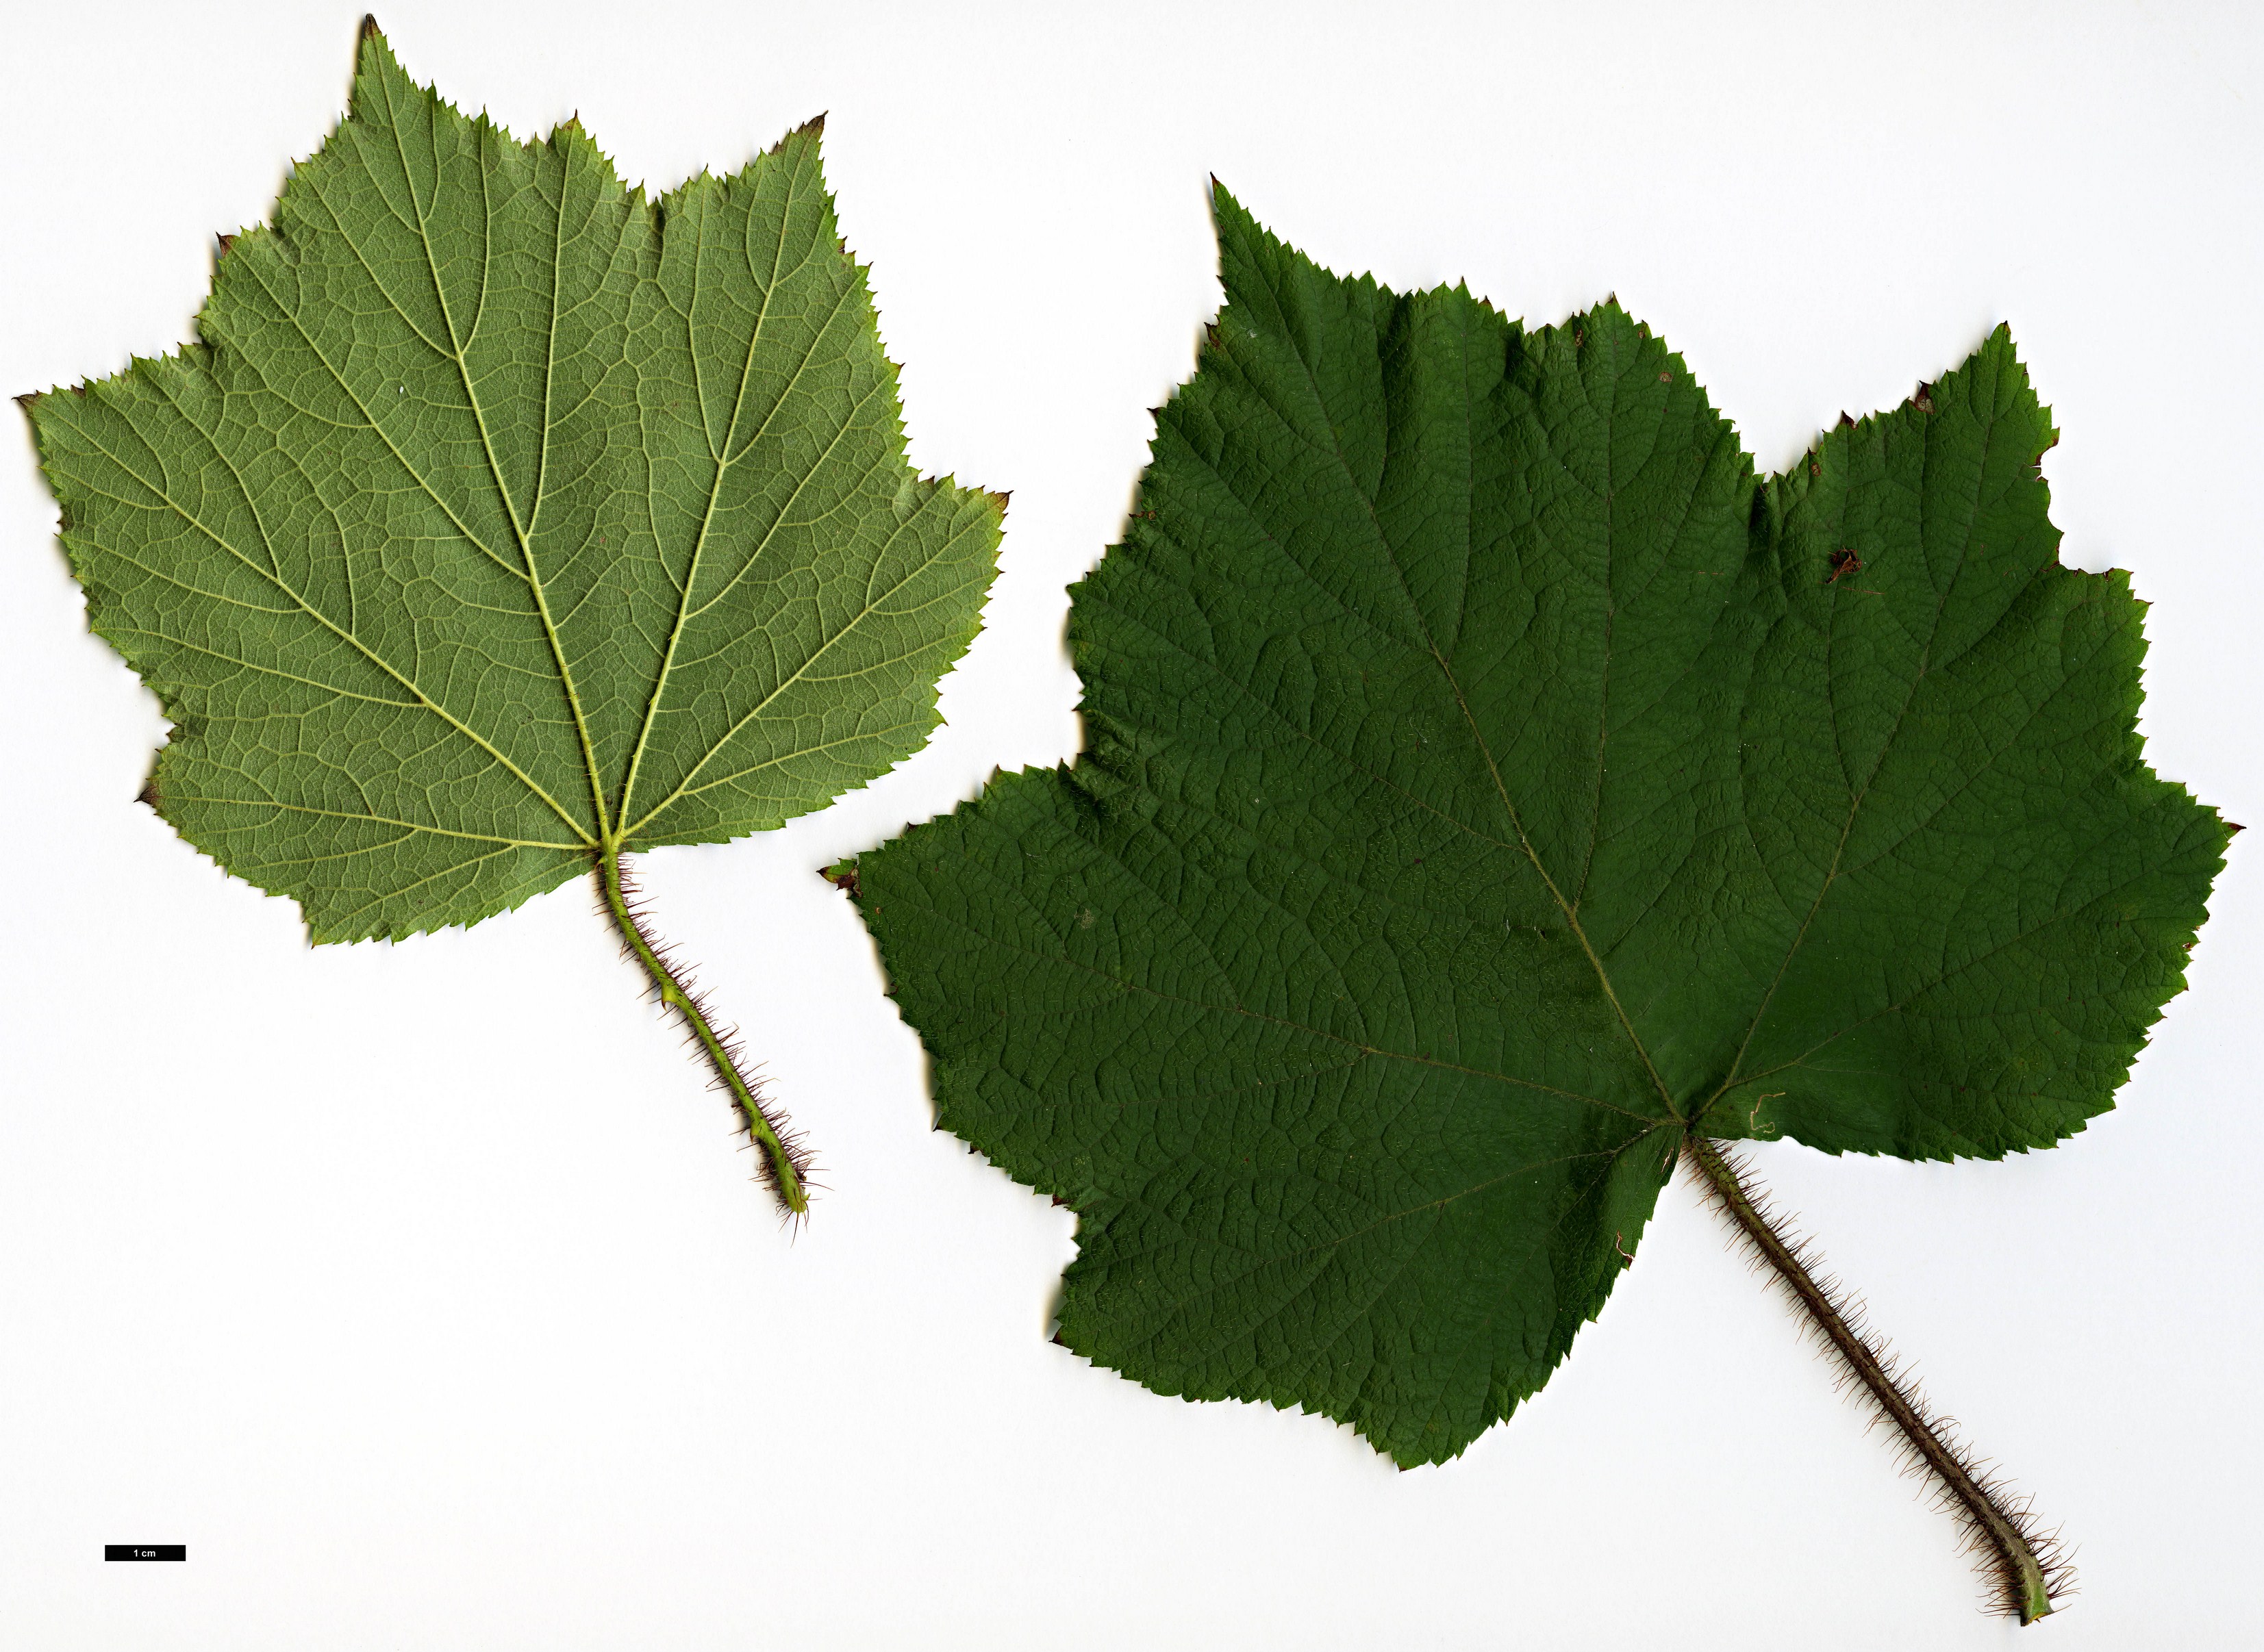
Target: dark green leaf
{"type": "Point", "coordinates": [1490, 781]}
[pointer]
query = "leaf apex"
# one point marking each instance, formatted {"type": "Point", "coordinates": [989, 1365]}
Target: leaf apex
{"type": "Point", "coordinates": [373, 52]}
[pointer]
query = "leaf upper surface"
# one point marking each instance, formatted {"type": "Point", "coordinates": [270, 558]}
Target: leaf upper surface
{"type": "Point", "coordinates": [1487, 780]}
{"type": "Point", "coordinates": [502, 515]}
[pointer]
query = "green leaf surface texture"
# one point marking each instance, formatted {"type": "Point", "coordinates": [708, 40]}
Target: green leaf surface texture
{"type": "Point", "coordinates": [503, 518]}
{"type": "Point", "coordinates": [1488, 778]}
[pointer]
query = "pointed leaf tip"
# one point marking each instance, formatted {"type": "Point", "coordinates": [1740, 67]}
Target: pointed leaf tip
{"type": "Point", "coordinates": [372, 49]}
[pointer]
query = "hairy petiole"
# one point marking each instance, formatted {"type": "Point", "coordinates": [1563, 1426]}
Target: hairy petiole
{"type": "Point", "coordinates": [2028, 1572]}
{"type": "Point", "coordinates": [785, 1160]}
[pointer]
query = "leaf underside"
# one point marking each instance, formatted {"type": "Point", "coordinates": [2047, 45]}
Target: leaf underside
{"type": "Point", "coordinates": [503, 518]}
{"type": "Point", "coordinates": [1489, 778]}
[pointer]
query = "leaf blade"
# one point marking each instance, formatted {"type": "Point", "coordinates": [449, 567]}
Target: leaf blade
{"type": "Point", "coordinates": [1459, 701]}
{"type": "Point", "coordinates": [411, 546]}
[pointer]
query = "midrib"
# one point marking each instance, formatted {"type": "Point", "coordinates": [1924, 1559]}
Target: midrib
{"type": "Point", "coordinates": [1571, 918]}
{"type": "Point", "coordinates": [521, 533]}
{"type": "Point", "coordinates": [1501, 789]}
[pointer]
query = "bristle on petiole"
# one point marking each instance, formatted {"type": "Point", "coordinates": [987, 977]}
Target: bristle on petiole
{"type": "Point", "coordinates": [2029, 1573]}
{"type": "Point", "coordinates": [782, 1157]}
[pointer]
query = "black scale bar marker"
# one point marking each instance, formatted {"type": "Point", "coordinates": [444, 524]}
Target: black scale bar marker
{"type": "Point", "coordinates": [145, 1551]}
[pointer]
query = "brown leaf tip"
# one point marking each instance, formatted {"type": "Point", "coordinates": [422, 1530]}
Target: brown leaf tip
{"type": "Point", "coordinates": [369, 29]}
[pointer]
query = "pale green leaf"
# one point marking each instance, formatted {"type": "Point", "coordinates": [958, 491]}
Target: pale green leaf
{"type": "Point", "coordinates": [503, 518]}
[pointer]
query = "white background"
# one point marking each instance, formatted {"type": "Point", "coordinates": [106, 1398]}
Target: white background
{"type": "Point", "coordinates": [419, 1289]}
